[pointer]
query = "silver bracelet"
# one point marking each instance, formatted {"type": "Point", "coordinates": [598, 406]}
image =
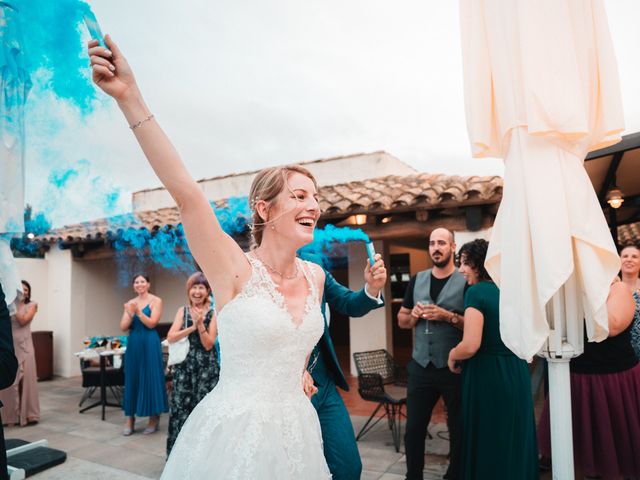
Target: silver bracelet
{"type": "Point", "coordinates": [136, 125]}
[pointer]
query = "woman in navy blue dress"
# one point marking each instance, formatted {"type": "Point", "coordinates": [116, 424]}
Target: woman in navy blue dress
{"type": "Point", "coordinates": [145, 394]}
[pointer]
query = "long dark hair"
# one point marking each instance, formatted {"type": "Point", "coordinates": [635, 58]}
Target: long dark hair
{"type": "Point", "coordinates": [143, 275]}
{"type": "Point", "coordinates": [26, 298]}
{"type": "Point", "coordinates": [474, 253]}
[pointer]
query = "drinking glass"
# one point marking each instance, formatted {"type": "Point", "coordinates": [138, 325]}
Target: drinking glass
{"type": "Point", "coordinates": [424, 303]}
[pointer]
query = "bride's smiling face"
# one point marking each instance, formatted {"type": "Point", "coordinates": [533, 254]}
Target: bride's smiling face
{"type": "Point", "coordinates": [294, 212]}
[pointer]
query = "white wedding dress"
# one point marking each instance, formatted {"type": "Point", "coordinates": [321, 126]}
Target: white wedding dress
{"type": "Point", "coordinates": [257, 423]}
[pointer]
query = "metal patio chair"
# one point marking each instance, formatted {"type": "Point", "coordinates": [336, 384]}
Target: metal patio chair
{"type": "Point", "coordinates": [381, 380]}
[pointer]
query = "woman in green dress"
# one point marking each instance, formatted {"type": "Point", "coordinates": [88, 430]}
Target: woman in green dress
{"type": "Point", "coordinates": [498, 436]}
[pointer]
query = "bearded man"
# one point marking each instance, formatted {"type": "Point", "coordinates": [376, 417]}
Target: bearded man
{"type": "Point", "coordinates": [433, 307]}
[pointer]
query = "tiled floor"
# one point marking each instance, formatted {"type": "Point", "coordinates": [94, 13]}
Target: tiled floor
{"type": "Point", "coordinates": [359, 407]}
{"type": "Point", "coordinates": [97, 450]}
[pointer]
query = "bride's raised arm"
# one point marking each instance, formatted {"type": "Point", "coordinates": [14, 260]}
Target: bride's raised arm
{"type": "Point", "coordinates": [220, 257]}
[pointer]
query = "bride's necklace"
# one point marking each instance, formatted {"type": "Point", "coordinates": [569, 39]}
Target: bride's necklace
{"type": "Point", "coordinates": [277, 272]}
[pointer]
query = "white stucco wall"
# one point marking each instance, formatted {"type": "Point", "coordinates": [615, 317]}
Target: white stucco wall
{"type": "Point", "coordinates": [97, 282]}
{"type": "Point", "coordinates": [170, 286]}
{"type": "Point", "coordinates": [59, 281]}
{"type": "Point", "coordinates": [80, 298]}
{"type": "Point", "coordinates": [327, 172]}
{"type": "Point", "coordinates": [104, 297]}
{"type": "Point", "coordinates": [465, 236]}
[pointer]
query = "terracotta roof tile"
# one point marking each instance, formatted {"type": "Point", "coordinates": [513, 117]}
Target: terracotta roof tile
{"type": "Point", "coordinates": [629, 233]}
{"type": "Point", "coordinates": [377, 195]}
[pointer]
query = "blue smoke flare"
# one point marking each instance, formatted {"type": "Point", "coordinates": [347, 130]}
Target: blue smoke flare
{"type": "Point", "coordinates": [53, 37]}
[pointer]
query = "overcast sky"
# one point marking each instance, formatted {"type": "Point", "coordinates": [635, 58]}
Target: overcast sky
{"type": "Point", "coordinates": [242, 84]}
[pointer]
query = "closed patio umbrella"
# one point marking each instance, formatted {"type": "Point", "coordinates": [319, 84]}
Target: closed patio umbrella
{"type": "Point", "coordinates": [14, 87]}
{"type": "Point", "coordinates": [541, 91]}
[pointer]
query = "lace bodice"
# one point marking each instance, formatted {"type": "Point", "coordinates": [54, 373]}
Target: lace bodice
{"type": "Point", "coordinates": [257, 422]}
{"type": "Point", "coordinates": [262, 350]}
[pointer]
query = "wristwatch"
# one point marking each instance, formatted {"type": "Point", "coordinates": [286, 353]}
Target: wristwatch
{"type": "Point", "coordinates": [454, 318]}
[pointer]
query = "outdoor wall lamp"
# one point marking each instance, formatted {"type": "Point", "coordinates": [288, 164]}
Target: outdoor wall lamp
{"type": "Point", "coordinates": [615, 197]}
{"type": "Point", "coordinates": [361, 219]}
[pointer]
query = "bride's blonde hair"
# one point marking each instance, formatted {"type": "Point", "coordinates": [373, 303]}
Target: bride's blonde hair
{"type": "Point", "coordinates": [266, 186]}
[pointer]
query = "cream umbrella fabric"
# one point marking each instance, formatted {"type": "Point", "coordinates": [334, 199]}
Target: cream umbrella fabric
{"type": "Point", "coordinates": [541, 91]}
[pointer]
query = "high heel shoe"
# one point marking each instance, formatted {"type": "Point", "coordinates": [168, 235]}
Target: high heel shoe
{"type": "Point", "coordinates": [151, 429]}
{"type": "Point", "coordinates": [128, 430]}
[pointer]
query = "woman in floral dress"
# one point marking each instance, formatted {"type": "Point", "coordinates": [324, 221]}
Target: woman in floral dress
{"type": "Point", "coordinates": [196, 376]}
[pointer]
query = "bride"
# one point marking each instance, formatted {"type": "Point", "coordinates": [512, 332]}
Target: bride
{"type": "Point", "coordinates": [257, 423]}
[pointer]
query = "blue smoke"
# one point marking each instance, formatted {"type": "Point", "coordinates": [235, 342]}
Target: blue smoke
{"type": "Point", "coordinates": [34, 224]}
{"type": "Point", "coordinates": [60, 178]}
{"type": "Point", "coordinates": [136, 248]}
{"type": "Point", "coordinates": [53, 33]}
{"type": "Point", "coordinates": [62, 98]}
{"type": "Point", "coordinates": [68, 188]}
{"type": "Point", "coordinates": [167, 248]}
{"type": "Point", "coordinates": [327, 240]}
{"type": "Point", "coordinates": [234, 216]}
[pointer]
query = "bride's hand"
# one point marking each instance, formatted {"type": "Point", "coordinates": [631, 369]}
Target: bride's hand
{"type": "Point", "coordinates": [307, 385]}
{"type": "Point", "coordinates": [111, 71]}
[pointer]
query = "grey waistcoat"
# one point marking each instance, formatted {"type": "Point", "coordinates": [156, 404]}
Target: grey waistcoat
{"type": "Point", "coordinates": [434, 347]}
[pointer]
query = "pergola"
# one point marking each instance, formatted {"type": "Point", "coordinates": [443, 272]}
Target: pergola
{"type": "Point", "coordinates": [615, 174]}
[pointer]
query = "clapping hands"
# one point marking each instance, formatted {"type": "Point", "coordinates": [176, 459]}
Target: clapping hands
{"type": "Point", "coordinates": [131, 307]}
{"type": "Point", "coordinates": [197, 315]}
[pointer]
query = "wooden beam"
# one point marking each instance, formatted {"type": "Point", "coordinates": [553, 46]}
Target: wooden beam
{"type": "Point", "coordinates": [421, 230]}
{"type": "Point", "coordinates": [633, 218]}
{"type": "Point", "coordinates": [417, 243]}
{"type": "Point", "coordinates": [613, 226]}
{"type": "Point", "coordinates": [610, 177]}
{"type": "Point", "coordinates": [335, 217]}
{"type": "Point", "coordinates": [103, 253]}
{"type": "Point", "coordinates": [422, 214]}
{"type": "Point", "coordinates": [629, 142]}
{"type": "Point", "coordinates": [473, 218]}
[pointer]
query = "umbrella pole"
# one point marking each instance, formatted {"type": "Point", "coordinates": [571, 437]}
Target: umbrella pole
{"type": "Point", "coordinates": [564, 343]}
{"type": "Point", "coordinates": [560, 418]}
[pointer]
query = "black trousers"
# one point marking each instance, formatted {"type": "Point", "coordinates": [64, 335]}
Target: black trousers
{"type": "Point", "coordinates": [3, 456]}
{"type": "Point", "coordinates": [426, 386]}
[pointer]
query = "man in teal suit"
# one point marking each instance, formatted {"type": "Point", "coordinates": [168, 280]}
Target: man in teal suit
{"type": "Point", "coordinates": [340, 448]}
{"type": "Point", "coordinates": [8, 369]}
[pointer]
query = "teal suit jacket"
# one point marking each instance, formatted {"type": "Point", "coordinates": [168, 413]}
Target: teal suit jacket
{"type": "Point", "coordinates": [347, 302]}
{"type": "Point", "coordinates": [8, 361]}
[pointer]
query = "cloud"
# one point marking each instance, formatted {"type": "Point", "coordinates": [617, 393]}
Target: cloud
{"type": "Point", "coordinates": [239, 85]}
